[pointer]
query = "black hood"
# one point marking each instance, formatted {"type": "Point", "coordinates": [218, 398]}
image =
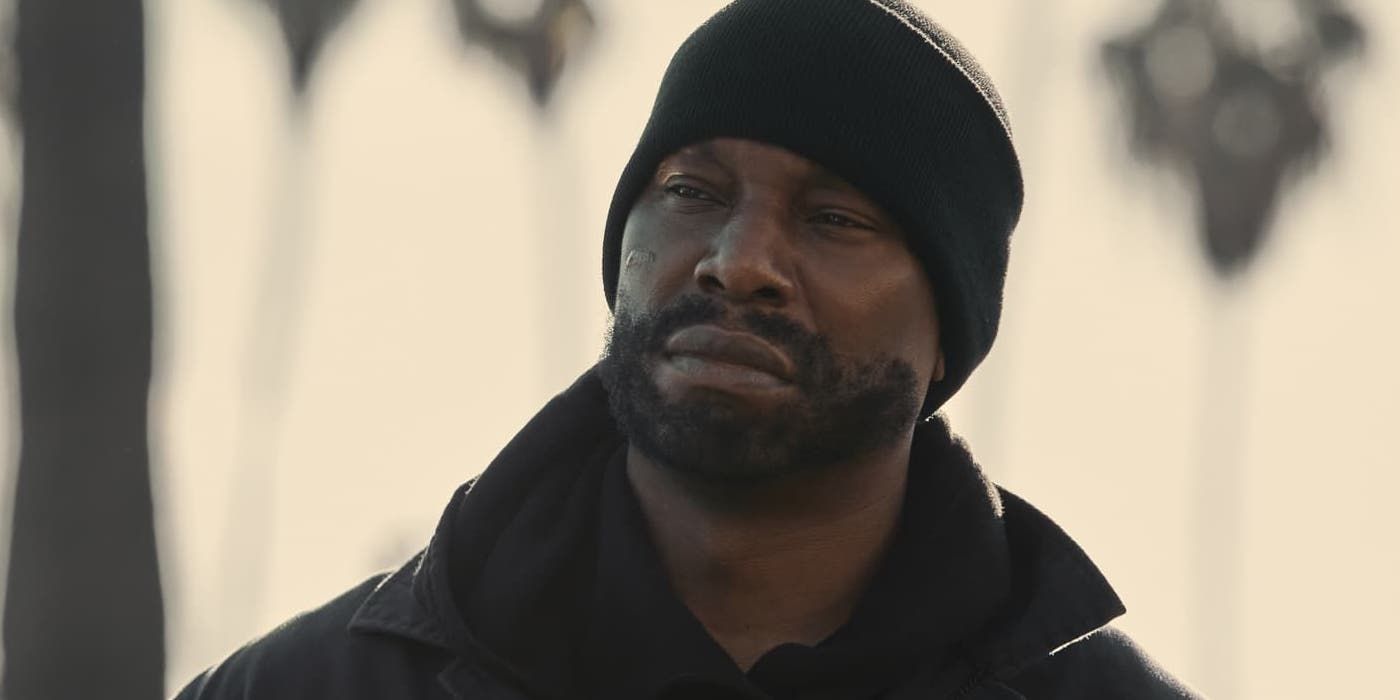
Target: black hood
{"type": "Point", "coordinates": [499, 582]}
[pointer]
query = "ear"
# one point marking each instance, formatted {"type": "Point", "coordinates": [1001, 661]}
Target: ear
{"type": "Point", "coordinates": [939, 370]}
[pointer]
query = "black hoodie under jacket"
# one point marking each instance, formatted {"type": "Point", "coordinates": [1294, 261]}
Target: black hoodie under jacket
{"type": "Point", "coordinates": [540, 583]}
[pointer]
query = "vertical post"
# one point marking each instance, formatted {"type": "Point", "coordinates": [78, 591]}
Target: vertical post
{"type": "Point", "coordinates": [562, 332]}
{"type": "Point", "coordinates": [250, 524]}
{"type": "Point", "coordinates": [1218, 492]}
{"type": "Point", "coordinates": [83, 615]}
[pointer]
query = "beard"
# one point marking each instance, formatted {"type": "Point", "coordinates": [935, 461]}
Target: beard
{"type": "Point", "coordinates": [843, 408]}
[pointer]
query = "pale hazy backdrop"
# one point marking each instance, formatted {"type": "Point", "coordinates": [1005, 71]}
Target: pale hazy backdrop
{"type": "Point", "coordinates": [357, 307]}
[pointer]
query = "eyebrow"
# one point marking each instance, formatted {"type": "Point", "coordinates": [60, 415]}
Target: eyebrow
{"type": "Point", "coordinates": [825, 179]}
{"type": "Point", "coordinates": [704, 150]}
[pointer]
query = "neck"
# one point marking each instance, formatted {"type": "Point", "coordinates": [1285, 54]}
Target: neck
{"type": "Point", "coordinates": [781, 561]}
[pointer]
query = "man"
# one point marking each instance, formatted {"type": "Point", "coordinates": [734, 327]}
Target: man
{"type": "Point", "coordinates": [749, 496]}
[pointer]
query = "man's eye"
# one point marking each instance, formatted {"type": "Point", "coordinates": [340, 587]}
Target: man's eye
{"type": "Point", "coordinates": [687, 192]}
{"type": "Point", "coordinates": [833, 219]}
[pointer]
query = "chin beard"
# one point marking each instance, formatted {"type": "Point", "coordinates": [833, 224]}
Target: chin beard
{"type": "Point", "coordinates": [843, 408]}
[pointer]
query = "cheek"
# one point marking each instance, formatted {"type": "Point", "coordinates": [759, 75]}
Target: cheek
{"type": "Point", "coordinates": [638, 264]}
{"type": "Point", "coordinates": [635, 274]}
{"type": "Point", "coordinates": [890, 314]}
{"type": "Point", "coordinates": [652, 268]}
{"type": "Point", "coordinates": [921, 336]}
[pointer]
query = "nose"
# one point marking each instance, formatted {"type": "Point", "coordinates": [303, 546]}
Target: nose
{"type": "Point", "coordinates": [750, 259]}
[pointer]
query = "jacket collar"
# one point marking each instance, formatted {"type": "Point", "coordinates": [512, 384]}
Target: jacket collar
{"type": "Point", "coordinates": [1060, 595]}
{"type": "Point", "coordinates": [392, 608]}
{"type": "Point", "coordinates": [423, 600]}
{"type": "Point", "coordinates": [1055, 597]}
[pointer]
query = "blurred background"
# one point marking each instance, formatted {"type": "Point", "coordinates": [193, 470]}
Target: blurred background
{"type": "Point", "coordinates": [286, 272]}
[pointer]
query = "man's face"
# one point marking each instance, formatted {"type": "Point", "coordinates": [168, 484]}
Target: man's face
{"type": "Point", "coordinates": [769, 318]}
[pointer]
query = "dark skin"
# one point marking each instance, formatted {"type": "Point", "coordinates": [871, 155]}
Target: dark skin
{"type": "Point", "coordinates": [754, 226]}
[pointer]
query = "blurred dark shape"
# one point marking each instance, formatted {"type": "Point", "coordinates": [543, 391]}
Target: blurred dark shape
{"type": "Point", "coordinates": [306, 25]}
{"type": "Point", "coordinates": [1339, 33]}
{"type": "Point", "coordinates": [83, 615]}
{"type": "Point", "coordinates": [537, 46]}
{"type": "Point", "coordinates": [1236, 119]}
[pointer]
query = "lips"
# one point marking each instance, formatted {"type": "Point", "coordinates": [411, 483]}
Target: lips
{"type": "Point", "coordinates": [719, 345]}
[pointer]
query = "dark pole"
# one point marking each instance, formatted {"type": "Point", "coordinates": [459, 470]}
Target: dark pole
{"type": "Point", "coordinates": [83, 615]}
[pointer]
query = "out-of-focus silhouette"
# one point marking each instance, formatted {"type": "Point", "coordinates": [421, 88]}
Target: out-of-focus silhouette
{"type": "Point", "coordinates": [306, 26]}
{"type": "Point", "coordinates": [1235, 119]}
{"type": "Point", "coordinates": [536, 45]}
{"type": "Point", "coordinates": [83, 612]}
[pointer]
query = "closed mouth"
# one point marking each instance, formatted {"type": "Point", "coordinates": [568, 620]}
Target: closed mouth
{"type": "Point", "coordinates": [745, 350]}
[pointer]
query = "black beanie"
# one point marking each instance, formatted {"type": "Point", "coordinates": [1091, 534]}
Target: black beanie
{"type": "Point", "coordinates": [876, 93]}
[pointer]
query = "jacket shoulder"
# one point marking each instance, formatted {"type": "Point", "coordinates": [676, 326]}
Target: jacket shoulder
{"type": "Point", "coordinates": [1104, 665]}
{"type": "Point", "coordinates": [316, 655]}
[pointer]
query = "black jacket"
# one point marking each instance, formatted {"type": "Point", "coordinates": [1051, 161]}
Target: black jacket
{"type": "Point", "coordinates": [415, 634]}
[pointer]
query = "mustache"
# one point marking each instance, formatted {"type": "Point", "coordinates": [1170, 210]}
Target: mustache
{"type": "Point", "coordinates": [804, 347]}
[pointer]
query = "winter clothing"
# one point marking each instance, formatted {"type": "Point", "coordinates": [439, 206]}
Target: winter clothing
{"type": "Point", "coordinates": [879, 95]}
{"type": "Point", "coordinates": [540, 582]}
